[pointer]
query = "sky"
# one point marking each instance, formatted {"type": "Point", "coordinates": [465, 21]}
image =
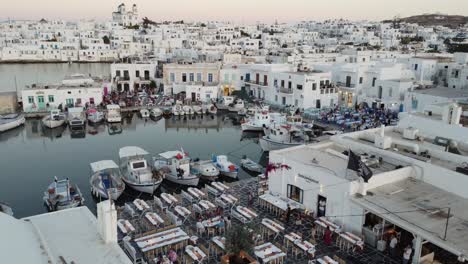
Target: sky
{"type": "Point", "coordinates": [244, 11]}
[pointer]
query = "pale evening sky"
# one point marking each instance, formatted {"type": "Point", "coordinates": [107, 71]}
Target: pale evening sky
{"type": "Point", "coordinates": [232, 10]}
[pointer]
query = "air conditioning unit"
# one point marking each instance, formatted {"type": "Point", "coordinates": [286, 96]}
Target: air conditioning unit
{"type": "Point", "coordinates": [410, 133]}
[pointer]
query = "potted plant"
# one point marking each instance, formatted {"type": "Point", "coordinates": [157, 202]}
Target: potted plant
{"type": "Point", "coordinates": [238, 243]}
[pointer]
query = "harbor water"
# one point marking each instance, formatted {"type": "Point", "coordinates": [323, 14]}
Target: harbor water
{"type": "Point", "coordinates": [32, 155]}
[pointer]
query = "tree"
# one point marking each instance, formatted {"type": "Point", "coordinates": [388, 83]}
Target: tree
{"type": "Point", "coordinates": [106, 40]}
{"type": "Point", "coordinates": [238, 239]}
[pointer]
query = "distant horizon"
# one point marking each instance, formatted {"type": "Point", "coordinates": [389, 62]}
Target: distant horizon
{"type": "Point", "coordinates": [239, 11]}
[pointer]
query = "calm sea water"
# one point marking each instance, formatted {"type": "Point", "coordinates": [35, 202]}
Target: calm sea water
{"type": "Point", "coordinates": [32, 155]}
{"type": "Point", "coordinates": [27, 74]}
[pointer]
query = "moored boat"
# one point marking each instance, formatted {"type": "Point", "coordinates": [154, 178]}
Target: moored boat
{"type": "Point", "coordinates": [62, 195]}
{"type": "Point", "coordinates": [283, 136]}
{"type": "Point", "coordinates": [11, 121]}
{"type": "Point", "coordinates": [188, 110]}
{"type": "Point", "coordinates": [250, 165]}
{"type": "Point", "coordinates": [106, 180]}
{"type": "Point", "coordinates": [225, 167]}
{"type": "Point", "coordinates": [54, 119]}
{"type": "Point", "coordinates": [95, 116]}
{"type": "Point", "coordinates": [175, 167]}
{"type": "Point", "coordinates": [144, 113]}
{"type": "Point", "coordinates": [76, 117]}
{"type": "Point", "coordinates": [207, 170]}
{"type": "Point", "coordinates": [156, 112]}
{"type": "Point", "coordinates": [136, 172]}
{"type": "Point", "coordinates": [113, 114]}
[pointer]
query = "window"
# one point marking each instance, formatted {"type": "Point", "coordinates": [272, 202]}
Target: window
{"type": "Point", "coordinates": [184, 77]}
{"type": "Point", "coordinates": [282, 83]}
{"type": "Point", "coordinates": [390, 92]}
{"type": "Point", "coordinates": [299, 86]}
{"type": "Point", "coordinates": [314, 86]}
{"type": "Point", "coordinates": [147, 75]}
{"type": "Point", "coordinates": [31, 99]}
{"type": "Point", "coordinates": [360, 80]}
{"type": "Point", "coordinates": [172, 77]}
{"type": "Point", "coordinates": [117, 73]}
{"type": "Point", "coordinates": [295, 193]}
{"type": "Point", "coordinates": [137, 74]}
{"type": "Point", "coordinates": [373, 81]}
{"type": "Point", "coordinates": [415, 67]}
{"type": "Point", "coordinates": [210, 77]}
{"type": "Point", "coordinates": [289, 85]}
{"type": "Point", "coordinates": [191, 77]}
{"type": "Point", "coordinates": [199, 79]}
{"type": "Point", "coordinates": [51, 98]}
{"type": "Point", "coordinates": [275, 82]}
{"type": "Point", "coordinates": [276, 98]}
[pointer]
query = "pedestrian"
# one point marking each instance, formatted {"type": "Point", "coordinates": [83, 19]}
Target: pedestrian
{"type": "Point", "coordinates": [288, 213]}
{"type": "Point", "coordinates": [327, 237]}
{"type": "Point", "coordinates": [392, 246]}
{"type": "Point", "coordinates": [250, 200]}
{"type": "Point", "coordinates": [407, 254]}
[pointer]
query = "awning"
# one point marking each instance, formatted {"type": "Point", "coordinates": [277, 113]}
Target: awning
{"type": "Point", "coordinates": [103, 165]}
{"type": "Point", "coordinates": [131, 151]}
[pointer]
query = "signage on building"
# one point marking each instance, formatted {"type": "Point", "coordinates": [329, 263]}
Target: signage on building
{"type": "Point", "coordinates": [307, 178]}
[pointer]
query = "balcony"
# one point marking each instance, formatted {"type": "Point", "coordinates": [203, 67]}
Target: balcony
{"type": "Point", "coordinates": [342, 84]}
{"type": "Point", "coordinates": [257, 83]}
{"type": "Point", "coordinates": [285, 90]}
{"type": "Point", "coordinates": [122, 79]}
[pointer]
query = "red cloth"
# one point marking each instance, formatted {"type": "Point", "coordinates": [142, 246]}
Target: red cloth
{"type": "Point", "coordinates": [327, 238]}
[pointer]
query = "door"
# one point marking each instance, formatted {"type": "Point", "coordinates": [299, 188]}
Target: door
{"type": "Point", "coordinates": [348, 81]}
{"type": "Point", "coordinates": [40, 102]}
{"type": "Point", "coordinates": [380, 92]}
{"type": "Point", "coordinates": [318, 104]}
{"type": "Point", "coordinates": [194, 96]}
{"type": "Point", "coordinates": [70, 102]}
{"type": "Point", "coordinates": [247, 77]}
{"type": "Point", "coordinates": [257, 78]}
{"type": "Point", "coordinates": [321, 205]}
{"type": "Point", "coordinates": [265, 80]}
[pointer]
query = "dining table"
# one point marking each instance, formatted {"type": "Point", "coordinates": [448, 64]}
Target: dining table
{"type": "Point", "coordinates": [268, 252]}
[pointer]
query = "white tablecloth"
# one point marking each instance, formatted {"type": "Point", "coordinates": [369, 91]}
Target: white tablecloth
{"type": "Point", "coordinates": [268, 252]}
{"type": "Point", "coordinates": [161, 239]}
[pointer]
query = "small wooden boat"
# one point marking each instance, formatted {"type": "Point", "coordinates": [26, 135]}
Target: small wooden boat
{"type": "Point", "coordinates": [105, 180]}
{"type": "Point", "coordinates": [54, 119]}
{"type": "Point", "coordinates": [156, 112]}
{"type": "Point", "coordinates": [206, 169]}
{"type": "Point", "coordinates": [62, 195]}
{"type": "Point", "coordinates": [250, 165]}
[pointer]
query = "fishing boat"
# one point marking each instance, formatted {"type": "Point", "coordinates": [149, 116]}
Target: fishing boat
{"type": "Point", "coordinates": [144, 113]}
{"type": "Point", "coordinates": [167, 110]}
{"type": "Point", "coordinates": [236, 106]}
{"type": "Point", "coordinates": [284, 136]}
{"type": "Point", "coordinates": [212, 109]}
{"type": "Point", "coordinates": [204, 109]}
{"type": "Point", "coordinates": [156, 112]}
{"type": "Point", "coordinates": [197, 109]}
{"type": "Point", "coordinates": [136, 172]}
{"type": "Point", "coordinates": [260, 120]}
{"type": "Point", "coordinates": [207, 170]}
{"type": "Point", "coordinates": [54, 119]}
{"type": "Point", "coordinates": [250, 165]}
{"type": "Point", "coordinates": [76, 117]}
{"type": "Point", "coordinates": [62, 195]}
{"type": "Point", "coordinates": [106, 180]}
{"type": "Point", "coordinates": [225, 167]}
{"type": "Point", "coordinates": [177, 110]}
{"type": "Point", "coordinates": [113, 114]}
{"type": "Point", "coordinates": [175, 167]}
{"type": "Point", "coordinates": [11, 121]}
{"type": "Point", "coordinates": [188, 110]}
{"type": "Point", "coordinates": [95, 116]}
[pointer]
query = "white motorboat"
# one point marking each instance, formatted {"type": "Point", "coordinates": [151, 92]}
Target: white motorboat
{"type": "Point", "coordinates": [113, 114]}
{"type": "Point", "coordinates": [95, 116]}
{"type": "Point", "coordinates": [276, 119]}
{"type": "Point", "coordinates": [175, 167]}
{"type": "Point", "coordinates": [167, 110]}
{"type": "Point", "coordinates": [204, 109]}
{"type": "Point", "coordinates": [177, 110]}
{"type": "Point", "coordinates": [225, 102]}
{"type": "Point", "coordinates": [188, 110]}
{"type": "Point", "coordinates": [156, 112]}
{"type": "Point", "coordinates": [76, 117]}
{"type": "Point", "coordinates": [260, 120]}
{"type": "Point", "coordinates": [250, 165]}
{"type": "Point", "coordinates": [207, 170]}
{"type": "Point", "coordinates": [283, 136]}
{"type": "Point", "coordinates": [212, 109]}
{"type": "Point", "coordinates": [62, 195]}
{"type": "Point", "coordinates": [236, 106]}
{"type": "Point", "coordinates": [136, 172]}
{"type": "Point", "coordinates": [54, 119]}
{"type": "Point", "coordinates": [11, 121]}
{"type": "Point", "coordinates": [144, 113]}
{"type": "Point", "coordinates": [197, 109]}
{"type": "Point", "coordinates": [106, 180]}
{"type": "Point", "coordinates": [225, 167]}
{"type": "Point", "coordinates": [242, 112]}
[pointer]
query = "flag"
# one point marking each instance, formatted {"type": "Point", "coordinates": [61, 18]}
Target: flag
{"type": "Point", "coordinates": [355, 163]}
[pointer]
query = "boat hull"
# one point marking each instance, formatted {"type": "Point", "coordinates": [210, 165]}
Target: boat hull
{"type": "Point", "coordinates": [230, 174]}
{"type": "Point", "coordinates": [269, 145]}
{"type": "Point", "coordinates": [13, 124]}
{"type": "Point", "coordinates": [192, 181]}
{"type": "Point", "coordinates": [145, 188]}
{"type": "Point", "coordinates": [53, 123]}
{"type": "Point", "coordinates": [250, 127]}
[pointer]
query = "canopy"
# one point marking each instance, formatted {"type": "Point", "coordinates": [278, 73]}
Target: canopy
{"type": "Point", "coordinates": [131, 151]}
{"type": "Point", "coordinates": [102, 165]}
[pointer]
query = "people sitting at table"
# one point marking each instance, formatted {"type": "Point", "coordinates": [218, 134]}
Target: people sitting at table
{"type": "Point", "coordinates": [327, 237]}
{"type": "Point", "coordinates": [200, 227]}
{"type": "Point", "coordinates": [172, 255]}
{"type": "Point", "coordinates": [228, 221]}
{"type": "Point", "coordinates": [220, 226]}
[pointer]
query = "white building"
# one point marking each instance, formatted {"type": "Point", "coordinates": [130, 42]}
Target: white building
{"type": "Point", "coordinates": [126, 17]}
{"type": "Point", "coordinates": [132, 76]}
{"type": "Point", "coordinates": [177, 76]}
{"type": "Point", "coordinates": [67, 236]}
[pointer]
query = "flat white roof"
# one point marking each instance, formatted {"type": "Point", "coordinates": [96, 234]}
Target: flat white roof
{"type": "Point", "coordinates": [425, 210]}
{"type": "Point", "coordinates": [68, 236]}
{"type": "Point", "coordinates": [131, 151]}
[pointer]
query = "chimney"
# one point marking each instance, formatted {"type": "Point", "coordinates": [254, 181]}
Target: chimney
{"type": "Point", "coordinates": [107, 221]}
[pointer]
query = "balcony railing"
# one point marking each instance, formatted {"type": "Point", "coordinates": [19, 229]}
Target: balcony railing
{"type": "Point", "coordinates": [257, 83]}
{"type": "Point", "coordinates": [285, 90]}
{"type": "Point", "coordinates": [341, 84]}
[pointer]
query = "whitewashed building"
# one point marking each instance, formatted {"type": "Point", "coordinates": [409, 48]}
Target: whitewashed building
{"type": "Point", "coordinates": [132, 76]}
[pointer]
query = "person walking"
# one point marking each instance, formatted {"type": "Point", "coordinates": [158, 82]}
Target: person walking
{"type": "Point", "coordinates": [407, 254]}
{"type": "Point", "coordinates": [288, 213]}
{"type": "Point", "coordinates": [392, 246]}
